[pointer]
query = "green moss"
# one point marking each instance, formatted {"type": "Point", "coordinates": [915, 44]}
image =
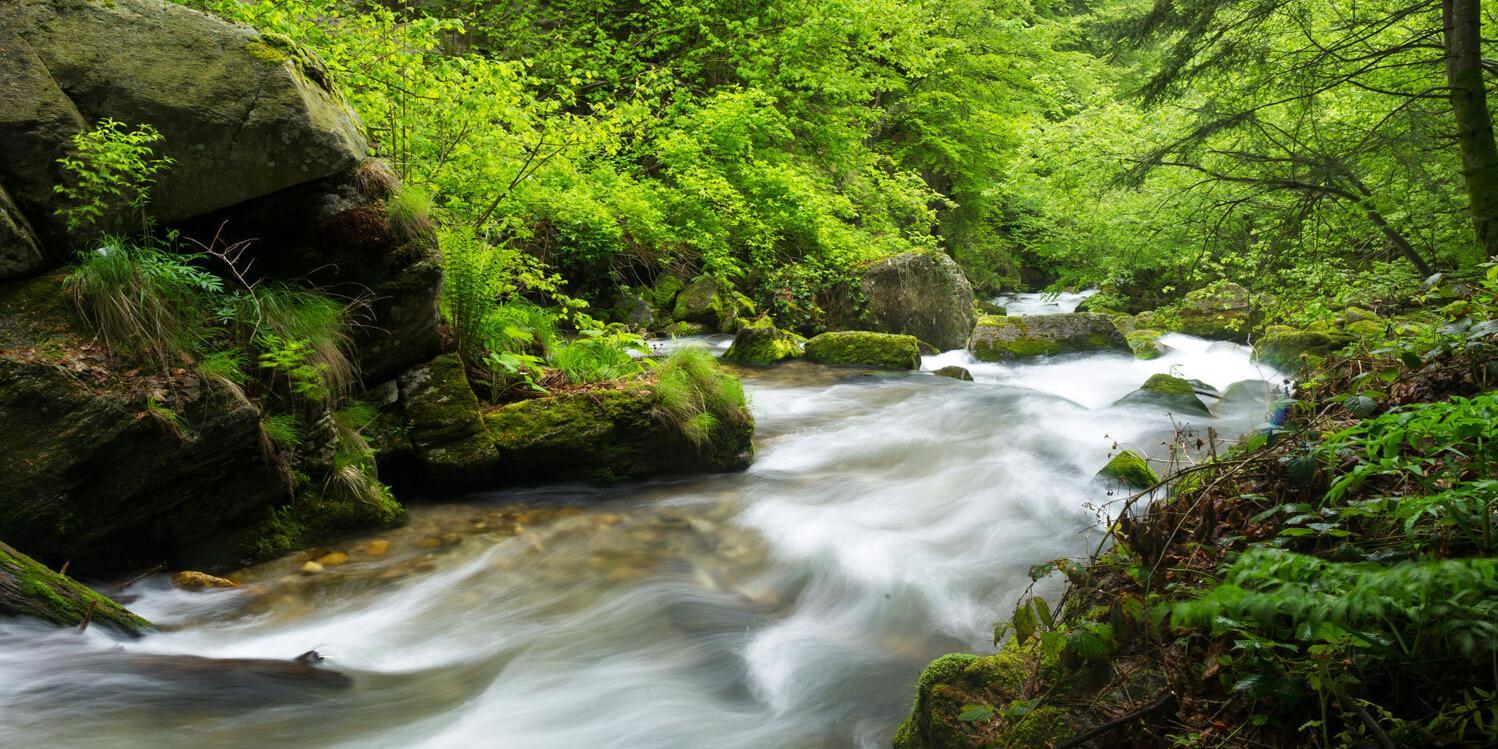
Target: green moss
{"type": "Point", "coordinates": [316, 515]}
{"type": "Point", "coordinates": [446, 429]}
{"type": "Point", "coordinates": [1145, 343]}
{"type": "Point", "coordinates": [1364, 328]}
{"type": "Point", "coordinates": [705, 301]}
{"type": "Point", "coordinates": [29, 588]}
{"type": "Point", "coordinates": [1169, 392]}
{"type": "Point", "coordinates": [1290, 350]}
{"type": "Point", "coordinates": [998, 338]}
{"type": "Point", "coordinates": [1130, 469]}
{"type": "Point", "coordinates": [663, 294]}
{"type": "Point", "coordinates": [952, 682]}
{"type": "Point", "coordinates": [760, 343]}
{"type": "Point", "coordinates": [864, 349]}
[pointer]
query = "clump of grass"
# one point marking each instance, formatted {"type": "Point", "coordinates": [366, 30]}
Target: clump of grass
{"type": "Point", "coordinates": [696, 397]}
{"type": "Point", "coordinates": [169, 420]}
{"type": "Point", "coordinates": [145, 301]}
{"type": "Point", "coordinates": [596, 357]}
{"type": "Point", "coordinates": [279, 318]}
{"type": "Point", "coordinates": [282, 430]}
{"type": "Point", "coordinates": [410, 212]}
{"type": "Point", "coordinates": [227, 369]}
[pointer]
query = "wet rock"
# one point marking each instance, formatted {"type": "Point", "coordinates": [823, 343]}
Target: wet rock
{"type": "Point", "coordinates": [30, 589]}
{"type": "Point", "coordinates": [922, 294]}
{"type": "Point", "coordinates": [761, 344]}
{"type": "Point", "coordinates": [375, 548]}
{"type": "Point", "coordinates": [954, 683]}
{"type": "Point", "coordinates": [1248, 392]}
{"type": "Point", "coordinates": [1130, 469]}
{"type": "Point", "coordinates": [984, 307]}
{"type": "Point", "coordinates": [310, 568]}
{"type": "Point", "coordinates": [200, 581]}
{"type": "Point", "coordinates": [954, 372]}
{"type": "Point", "coordinates": [1166, 391]}
{"type": "Point", "coordinates": [333, 559]}
{"type": "Point", "coordinates": [1004, 338]}
{"type": "Point", "coordinates": [1146, 344]}
{"type": "Point", "coordinates": [865, 349]}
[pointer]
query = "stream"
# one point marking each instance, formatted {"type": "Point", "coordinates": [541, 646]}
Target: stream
{"type": "Point", "coordinates": [887, 519]}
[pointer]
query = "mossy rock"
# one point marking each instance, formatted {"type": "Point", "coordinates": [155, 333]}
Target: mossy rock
{"type": "Point", "coordinates": [632, 308]}
{"type": "Point", "coordinates": [1130, 469]}
{"type": "Point", "coordinates": [28, 588]}
{"type": "Point", "coordinates": [855, 348]}
{"type": "Point", "coordinates": [1146, 344]}
{"type": "Point", "coordinates": [603, 435]}
{"type": "Point", "coordinates": [955, 372]}
{"type": "Point", "coordinates": [705, 301]}
{"type": "Point", "coordinates": [1220, 311]}
{"type": "Point", "coordinates": [319, 513]}
{"type": "Point", "coordinates": [1290, 350]}
{"type": "Point", "coordinates": [985, 307]}
{"type": "Point", "coordinates": [922, 293]}
{"type": "Point", "coordinates": [1006, 338]}
{"type": "Point", "coordinates": [663, 294]}
{"type": "Point", "coordinates": [446, 429]}
{"type": "Point", "coordinates": [1365, 328]}
{"type": "Point", "coordinates": [1359, 314]}
{"type": "Point", "coordinates": [761, 344]}
{"type": "Point", "coordinates": [685, 329]}
{"type": "Point", "coordinates": [20, 250]}
{"type": "Point", "coordinates": [952, 683]}
{"type": "Point", "coordinates": [1167, 391]}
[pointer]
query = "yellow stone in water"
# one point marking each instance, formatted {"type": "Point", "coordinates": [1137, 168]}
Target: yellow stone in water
{"type": "Point", "coordinates": [198, 581]}
{"type": "Point", "coordinates": [311, 568]}
{"type": "Point", "coordinates": [376, 547]}
{"type": "Point", "coordinates": [333, 559]}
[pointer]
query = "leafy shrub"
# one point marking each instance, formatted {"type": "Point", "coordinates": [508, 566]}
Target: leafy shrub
{"type": "Point", "coordinates": [111, 168]}
{"type": "Point", "coordinates": [597, 356]}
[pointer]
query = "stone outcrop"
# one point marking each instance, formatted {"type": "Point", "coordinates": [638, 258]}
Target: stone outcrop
{"type": "Point", "coordinates": [1003, 338]}
{"type": "Point", "coordinates": [20, 250]}
{"type": "Point", "coordinates": [1129, 469]}
{"type": "Point", "coordinates": [923, 294]}
{"type": "Point", "coordinates": [855, 348]}
{"type": "Point", "coordinates": [1169, 392]}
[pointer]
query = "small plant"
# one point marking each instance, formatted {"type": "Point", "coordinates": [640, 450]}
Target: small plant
{"type": "Point", "coordinates": [112, 167]}
{"type": "Point", "coordinates": [318, 323]}
{"type": "Point", "coordinates": [598, 356]}
{"type": "Point", "coordinates": [292, 359]}
{"type": "Point", "coordinates": [282, 430]}
{"type": "Point", "coordinates": [409, 212]}
{"type": "Point", "coordinates": [163, 415]}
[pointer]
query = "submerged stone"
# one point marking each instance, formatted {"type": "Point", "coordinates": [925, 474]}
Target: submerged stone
{"type": "Point", "coordinates": [1169, 392]}
{"type": "Point", "coordinates": [954, 372]}
{"type": "Point", "coordinates": [853, 348]}
{"type": "Point", "coordinates": [1003, 338]}
{"type": "Point", "coordinates": [192, 580]}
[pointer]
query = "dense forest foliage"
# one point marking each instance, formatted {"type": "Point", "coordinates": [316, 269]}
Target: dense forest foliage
{"type": "Point", "coordinates": [1305, 149]}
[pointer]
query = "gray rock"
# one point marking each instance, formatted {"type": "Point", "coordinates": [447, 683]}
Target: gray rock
{"type": "Point", "coordinates": [20, 251]}
{"type": "Point", "coordinates": [1002, 338]}
{"type": "Point", "coordinates": [923, 294]}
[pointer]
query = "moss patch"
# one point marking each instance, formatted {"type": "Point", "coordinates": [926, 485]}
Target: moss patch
{"type": "Point", "coordinates": [1130, 469]}
{"type": "Point", "coordinates": [952, 683]}
{"type": "Point", "coordinates": [1145, 343]}
{"type": "Point", "coordinates": [1169, 392]}
{"type": "Point", "coordinates": [864, 349]}
{"type": "Point", "coordinates": [1290, 350]}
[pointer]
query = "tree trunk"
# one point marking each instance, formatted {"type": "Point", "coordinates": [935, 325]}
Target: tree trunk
{"type": "Point", "coordinates": [1462, 20]}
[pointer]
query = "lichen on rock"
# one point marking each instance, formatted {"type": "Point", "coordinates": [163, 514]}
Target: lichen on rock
{"type": "Point", "coordinates": [856, 348]}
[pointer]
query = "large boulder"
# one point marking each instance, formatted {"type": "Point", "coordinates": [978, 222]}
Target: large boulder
{"type": "Point", "coordinates": [1002, 338]}
{"type": "Point", "coordinates": [243, 114]}
{"type": "Point", "coordinates": [1167, 391]}
{"type": "Point", "coordinates": [923, 294]}
{"type": "Point", "coordinates": [856, 348]}
{"type": "Point", "coordinates": [1222, 311]}
{"type": "Point", "coordinates": [761, 344]}
{"type": "Point", "coordinates": [446, 430]}
{"type": "Point", "coordinates": [1290, 349]}
{"type": "Point", "coordinates": [30, 589]}
{"type": "Point", "coordinates": [109, 468]}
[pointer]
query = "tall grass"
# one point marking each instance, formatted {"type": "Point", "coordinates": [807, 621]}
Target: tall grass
{"type": "Point", "coordinates": [144, 301]}
{"type": "Point", "coordinates": [696, 397]}
{"type": "Point", "coordinates": [275, 318]}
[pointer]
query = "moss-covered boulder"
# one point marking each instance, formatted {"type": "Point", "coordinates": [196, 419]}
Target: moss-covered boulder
{"type": "Point", "coordinates": [1358, 314]}
{"type": "Point", "coordinates": [852, 348]}
{"type": "Point", "coordinates": [1167, 391]}
{"type": "Point", "coordinates": [1146, 343]}
{"type": "Point", "coordinates": [1221, 311]}
{"type": "Point", "coordinates": [104, 466]}
{"type": "Point", "coordinates": [602, 435]}
{"type": "Point", "coordinates": [632, 308]}
{"type": "Point", "coordinates": [1289, 349]}
{"type": "Point", "coordinates": [962, 701]}
{"type": "Point", "coordinates": [923, 294]}
{"type": "Point", "coordinates": [1365, 328]}
{"type": "Point", "coordinates": [760, 343]}
{"type": "Point", "coordinates": [1129, 469]}
{"type": "Point", "coordinates": [445, 427]}
{"type": "Point", "coordinates": [954, 372]}
{"type": "Point", "coordinates": [662, 295]}
{"type": "Point", "coordinates": [1004, 338]}
{"type": "Point", "coordinates": [30, 589]}
{"type": "Point", "coordinates": [242, 114]}
{"type": "Point", "coordinates": [706, 301]}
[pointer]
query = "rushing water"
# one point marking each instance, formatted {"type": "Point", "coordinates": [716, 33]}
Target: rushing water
{"type": "Point", "coordinates": [887, 519]}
